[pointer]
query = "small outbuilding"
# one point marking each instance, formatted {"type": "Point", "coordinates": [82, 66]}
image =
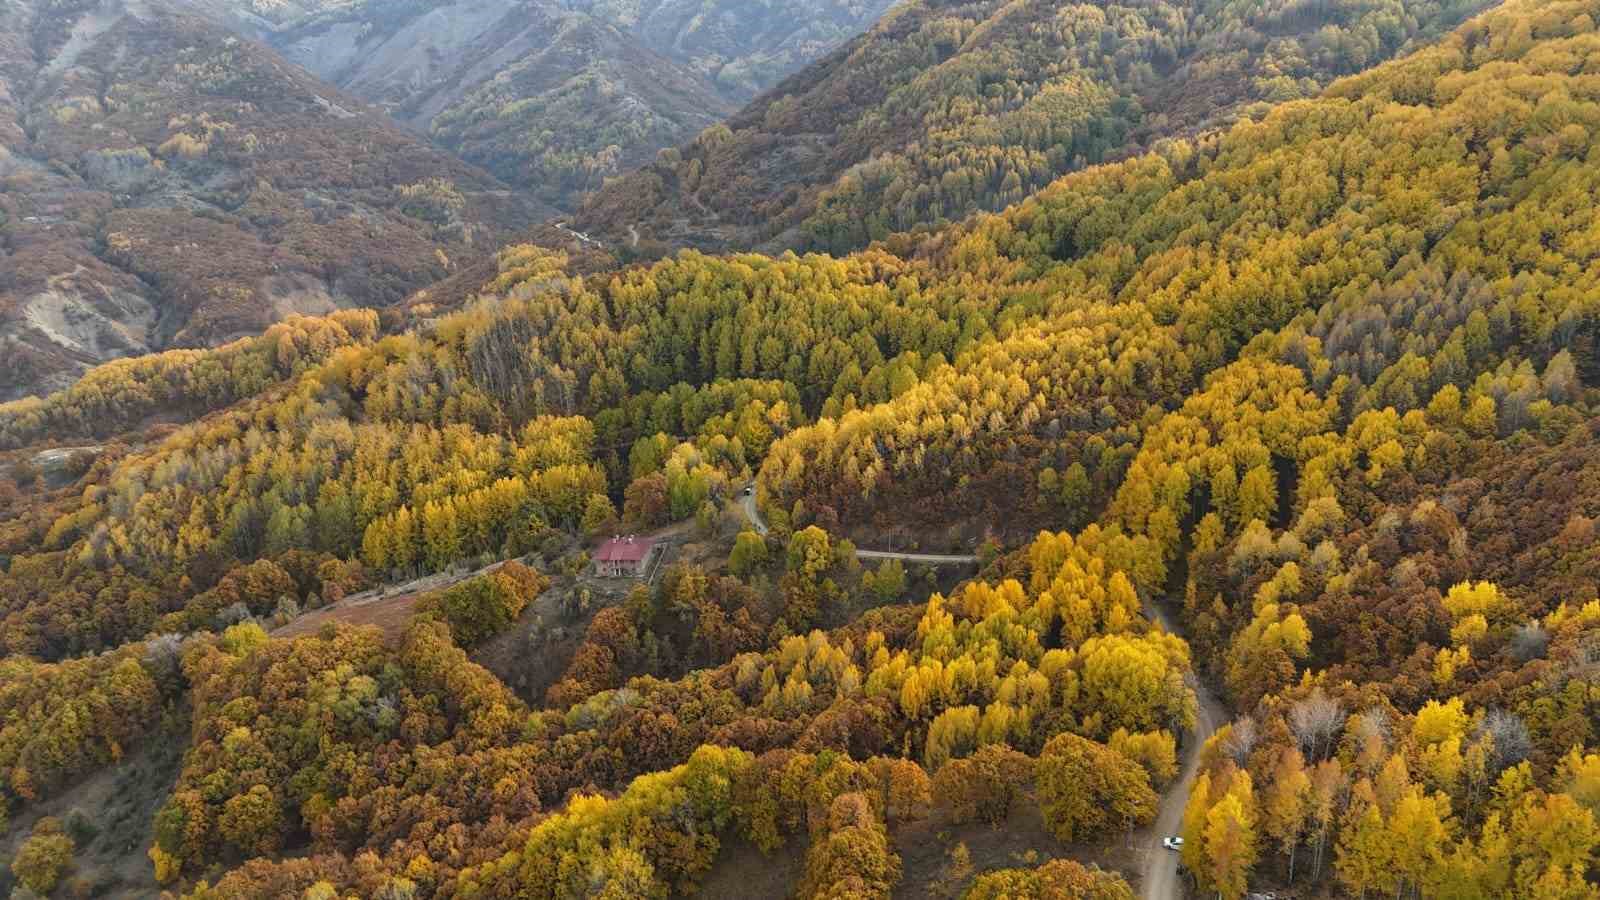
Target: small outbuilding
{"type": "Point", "coordinates": [624, 557]}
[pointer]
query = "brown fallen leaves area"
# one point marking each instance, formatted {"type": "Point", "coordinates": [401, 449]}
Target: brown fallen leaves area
{"type": "Point", "coordinates": [390, 614]}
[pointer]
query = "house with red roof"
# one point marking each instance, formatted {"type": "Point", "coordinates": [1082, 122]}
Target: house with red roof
{"type": "Point", "coordinates": [624, 557]}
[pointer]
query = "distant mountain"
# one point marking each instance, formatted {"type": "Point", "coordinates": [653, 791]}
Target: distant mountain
{"type": "Point", "coordinates": [1243, 492]}
{"type": "Point", "coordinates": [744, 46]}
{"type": "Point", "coordinates": [554, 96]}
{"type": "Point", "coordinates": [164, 182]}
{"type": "Point", "coordinates": [948, 107]}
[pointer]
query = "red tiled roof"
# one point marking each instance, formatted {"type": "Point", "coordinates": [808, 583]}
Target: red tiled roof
{"type": "Point", "coordinates": [624, 550]}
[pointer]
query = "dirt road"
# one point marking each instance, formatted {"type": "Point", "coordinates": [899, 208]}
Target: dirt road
{"type": "Point", "coordinates": [933, 559]}
{"type": "Point", "coordinates": [1161, 880]}
{"type": "Point", "coordinates": [753, 515]}
{"type": "Point", "coordinates": [388, 607]}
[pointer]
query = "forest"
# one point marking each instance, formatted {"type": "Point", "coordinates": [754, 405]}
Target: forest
{"type": "Point", "coordinates": [1277, 446]}
{"type": "Point", "coordinates": [950, 108]}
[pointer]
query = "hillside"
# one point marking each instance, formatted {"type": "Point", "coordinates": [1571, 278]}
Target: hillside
{"type": "Point", "coordinates": [1278, 451]}
{"type": "Point", "coordinates": [948, 107]}
{"type": "Point", "coordinates": [164, 183]}
{"type": "Point", "coordinates": [743, 46]}
{"type": "Point", "coordinates": [554, 96]}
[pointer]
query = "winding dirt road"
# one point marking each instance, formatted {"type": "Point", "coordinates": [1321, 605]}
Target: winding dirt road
{"type": "Point", "coordinates": [932, 559]}
{"type": "Point", "coordinates": [748, 504]}
{"type": "Point", "coordinates": [1161, 881]}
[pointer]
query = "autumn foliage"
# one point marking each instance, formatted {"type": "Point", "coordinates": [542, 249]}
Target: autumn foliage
{"type": "Point", "coordinates": [1319, 388]}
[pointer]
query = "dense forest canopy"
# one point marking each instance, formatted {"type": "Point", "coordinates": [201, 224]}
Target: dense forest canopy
{"type": "Point", "coordinates": [1318, 389]}
{"type": "Point", "coordinates": [947, 108]}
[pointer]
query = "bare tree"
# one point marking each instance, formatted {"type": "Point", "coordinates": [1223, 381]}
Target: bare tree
{"type": "Point", "coordinates": [163, 659]}
{"type": "Point", "coordinates": [1561, 381]}
{"type": "Point", "coordinates": [232, 614]}
{"type": "Point", "coordinates": [1375, 724]}
{"type": "Point", "coordinates": [1242, 738]}
{"type": "Point", "coordinates": [1316, 721]}
{"type": "Point", "coordinates": [498, 359]}
{"type": "Point", "coordinates": [1529, 642]}
{"type": "Point", "coordinates": [1511, 741]}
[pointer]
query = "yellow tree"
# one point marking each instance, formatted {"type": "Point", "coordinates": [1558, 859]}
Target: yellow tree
{"type": "Point", "coordinates": [1552, 834]}
{"type": "Point", "coordinates": [1230, 835]}
{"type": "Point", "coordinates": [1362, 857]}
{"type": "Point", "coordinates": [1262, 657]}
{"type": "Point", "coordinates": [1157, 751]}
{"type": "Point", "coordinates": [375, 544]}
{"type": "Point", "coordinates": [402, 539]}
{"type": "Point", "coordinates": [749, 554]}
{"type": "Point", "coordinates": [1193, 830]}
{"type": "Point", "coordinates": [440, 533]}
{"type": "Point", "coordinates": [1419, 830]}
{"type": "Point", "coordinates": [1258, 495]}
{"type": "Point", "coordinates": [1327, 785]}
{"type": "Point", "coordinates": [852, 857]}
{"type": "Point", "coordinates": [1475, 870]}
{"type": "Point", "coordinates": [1133, 682]}
{"type": "Point", "coordinates": [1086, 789]}
{"type": "Point", "coordinates": [1288, 803]}
{"type": "Point", "coordinates": [905, 791]}
{"type": "Point", "coordinates": [1579, 776]}
{"type": "Point", "coordinates": [1437, 735]}
{"type": "Point", "coordinates": [252, 821]}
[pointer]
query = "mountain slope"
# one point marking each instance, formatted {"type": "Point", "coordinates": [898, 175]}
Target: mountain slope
{"type": "Point", "coordinates": [1325, 386]}
{"type": "Point", "coordinates": [165, 183]}
{"type": "Point", "coordinates": [952, 106]}
{"type": "Point", "coordinates": [555, 95]}
{"type": "Point", "coordinates": [587, 105]}
{"type": "Point", "coordinates": [742, 46]}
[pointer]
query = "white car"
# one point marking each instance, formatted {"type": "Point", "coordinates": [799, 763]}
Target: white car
{"type": "Point", "coordinates": [1173, 843]}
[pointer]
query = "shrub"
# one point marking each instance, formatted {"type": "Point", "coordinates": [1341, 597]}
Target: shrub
{"type": "Point", "coordinates": [43, 857]}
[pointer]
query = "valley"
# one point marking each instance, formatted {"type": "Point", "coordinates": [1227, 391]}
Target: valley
{"type": "Point", "coordinates": [1030, 451]}
{"type": "Point", "coordinates": [555, 96]}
